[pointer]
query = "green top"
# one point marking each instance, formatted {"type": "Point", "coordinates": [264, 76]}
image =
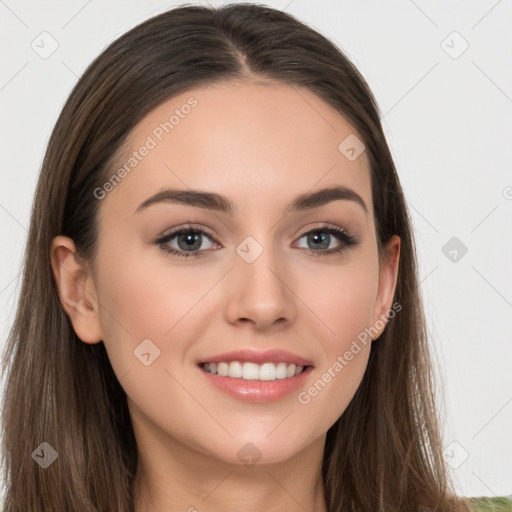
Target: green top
{"type": "Point", "coordinates": [485, 504]}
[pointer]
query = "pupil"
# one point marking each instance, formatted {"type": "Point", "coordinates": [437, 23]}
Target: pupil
{"type": "Point", "coordinates": [321, 236]}
{"type": "Point", "coordinates": [190, 240]}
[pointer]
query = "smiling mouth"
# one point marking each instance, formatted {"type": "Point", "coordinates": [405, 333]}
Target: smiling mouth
{"type": "Point", "coordinates": [253, 371]}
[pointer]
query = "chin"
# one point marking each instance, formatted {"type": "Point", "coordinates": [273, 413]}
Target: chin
{"type": "Point", "coordinates": [260, 449]}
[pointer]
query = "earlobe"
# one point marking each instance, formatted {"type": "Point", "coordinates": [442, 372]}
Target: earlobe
{"type": "Point", "coordinates": [76, 288]}
{"type": "Point", "coordinates": [388, 277]}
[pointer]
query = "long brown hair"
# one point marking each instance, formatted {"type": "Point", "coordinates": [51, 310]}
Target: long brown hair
{"type": "Point", "coordinates": [383, 454]}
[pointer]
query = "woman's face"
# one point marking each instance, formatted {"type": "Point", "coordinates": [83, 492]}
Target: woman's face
{"type": "Point", "coordinates": [249, 283]}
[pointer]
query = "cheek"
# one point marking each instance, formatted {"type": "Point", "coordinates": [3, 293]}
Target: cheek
{"type": "Point", "coordinates": [147, 292]}
{"type": "Point", "coordinates": [342, 299]}
{"type": "Point", "coordinates": [345, 307]}
{"type": "Point", "coordinates": [334, 387]}
{"type": "Point", "coordinates": [346, 352]}
{"type": "Point", "coordinates": [140, 300]}
{"type": "Point", "coordinates": [147, 309]}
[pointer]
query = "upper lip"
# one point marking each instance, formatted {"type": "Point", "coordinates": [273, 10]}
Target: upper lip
{"type": "Point", "coordinates": [258, 357]}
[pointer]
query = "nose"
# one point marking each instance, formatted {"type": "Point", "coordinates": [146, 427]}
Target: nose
{"type": "Point", "coordinates": [259, 293]}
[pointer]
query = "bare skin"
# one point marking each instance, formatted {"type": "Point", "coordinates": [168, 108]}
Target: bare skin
{"type": "Point", "coordinates": [261, 146]}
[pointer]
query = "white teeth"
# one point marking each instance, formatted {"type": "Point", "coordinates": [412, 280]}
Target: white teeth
{"type": "Point", "coordinates": [281, 371]}
{"type": "Point", "coordinates": [267, 371]}
{"type": "Point", "coordinates": [222, 369]}
{"type": "Point", "coordinates": [253, 371]}
{"type": "Point", "coordinates": [235, 370]}
{"type": "Point", "coordinates": [290, 372]}
{"type": "Point", "coordinates": [250, 371]}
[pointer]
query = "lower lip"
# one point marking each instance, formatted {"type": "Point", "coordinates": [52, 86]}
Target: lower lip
{"type": "Point", "coordinates": [257, 390]}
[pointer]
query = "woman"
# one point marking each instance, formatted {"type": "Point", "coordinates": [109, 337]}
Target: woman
{"type": "Point", "coordinates": [220, 306]}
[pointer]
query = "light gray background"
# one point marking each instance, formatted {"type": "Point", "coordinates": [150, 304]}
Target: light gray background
{"type": "Point", "coordinates": [448, 119]}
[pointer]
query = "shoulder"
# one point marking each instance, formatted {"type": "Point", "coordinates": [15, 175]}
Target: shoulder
{"type": "Point", "coordinates": [486, 504]}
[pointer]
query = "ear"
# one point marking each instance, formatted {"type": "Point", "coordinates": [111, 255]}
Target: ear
{"type": "Point", "coordinates": [388, 274]}
{"type": "Point", "coordinates": [77, 292]}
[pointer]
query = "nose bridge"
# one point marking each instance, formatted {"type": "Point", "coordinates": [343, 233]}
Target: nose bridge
{"type": "Point", "coordinates": [259, 291]}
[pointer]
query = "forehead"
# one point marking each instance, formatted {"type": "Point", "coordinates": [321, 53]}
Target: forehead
{"type": "Point", "coordinates": [260, 143]}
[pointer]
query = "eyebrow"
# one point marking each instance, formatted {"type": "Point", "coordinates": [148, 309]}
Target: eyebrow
{"type": "Point", "coordinates": [217, 202]}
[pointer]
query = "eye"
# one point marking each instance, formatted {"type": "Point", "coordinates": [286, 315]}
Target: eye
{"type": "Point", "coordinates": [189, 242]}
{"type": "Point", "coordinates": [323, 236]}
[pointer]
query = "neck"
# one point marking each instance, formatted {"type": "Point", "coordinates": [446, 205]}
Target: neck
{"type": "Point", "coordinates": [192, 481]}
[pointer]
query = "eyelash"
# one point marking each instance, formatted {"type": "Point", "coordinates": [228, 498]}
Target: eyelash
{"type": "Point", "coordinates": [347, 239]}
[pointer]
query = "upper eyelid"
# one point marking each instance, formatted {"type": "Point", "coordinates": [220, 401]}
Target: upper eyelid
{"type": "Point", "coordinates": [186, 229]}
